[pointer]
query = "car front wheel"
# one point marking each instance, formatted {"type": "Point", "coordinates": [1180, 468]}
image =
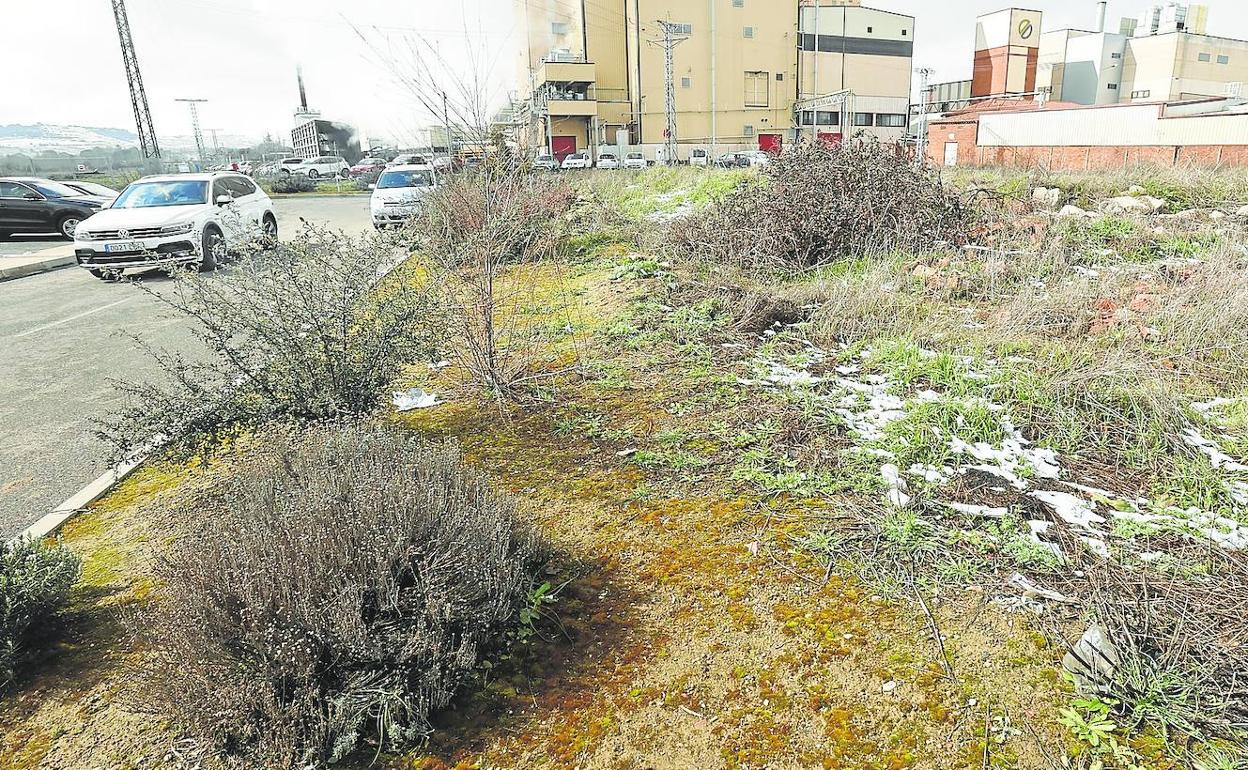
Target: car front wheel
{"type": "Point", "coordinates": [313, 173]}
{"type": "Point", "coordinates": [268, 230]}
{"type": "Point", "coordinates": [68, 225]}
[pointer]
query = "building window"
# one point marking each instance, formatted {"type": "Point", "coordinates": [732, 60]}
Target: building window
{"type": "Point", "coordinates": [779, 77]}
{"type": "Point", "coordinates": [738, 3]}
{"type": "Point", "coordinates": [903, 33]}
{"type": "Point", "coordinates": [747, 131]}
{"type": "Point", "coordinates": [1224, 60]}
{"type": "Point", "coordinates": [1115, 56]}
{"type": "Point", "coordinates": [558, 28]}
{"type": "Point", "coordinates": [681, 29]}
{"type": "Point", "coordinates": [757, 89]}
{"type": "Point", "coordinates": [1141, 94]}
{"type": "Point", "coordinates": [1112, 86]}
{"type": "Point", "coordinates": [1204, 57]}
{"type": "Point", "coordinates": [870, 30]}
{"type": "Point", "coordinates": [864, 118]}
{"type": "Point", "coordinates": [828, 118]}
{"type": "Point", "coordinates": [749, 33]}
{"type": "Point", "coordinates": [890, 120]}
{"type": "Point", "coordinates": [686, 82]}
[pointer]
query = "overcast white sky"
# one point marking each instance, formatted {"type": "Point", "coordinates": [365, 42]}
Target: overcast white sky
{"type": "Point", "coordinates": [241, 55]}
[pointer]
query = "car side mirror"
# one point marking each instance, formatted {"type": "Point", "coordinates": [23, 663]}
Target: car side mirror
{"type": "Point", "coordinates": [372, 187]}
{"type": "Point", "coordinates": [224, 200]}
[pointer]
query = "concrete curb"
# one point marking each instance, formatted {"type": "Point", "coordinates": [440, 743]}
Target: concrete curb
{"type": "Point", "coordinates": [34, 268]}
{"type": "Point", "coordinates": [311, 196]}
{"type": "Point", "coordinates": [77, 503]}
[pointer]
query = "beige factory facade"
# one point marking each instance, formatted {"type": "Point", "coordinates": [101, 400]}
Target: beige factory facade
{"type": "Point", "coordinates": [591, 73]}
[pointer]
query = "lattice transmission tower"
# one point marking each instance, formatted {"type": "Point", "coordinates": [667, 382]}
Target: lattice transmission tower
{"type": "Point", "coordinates": [673, 35]}
{"type": "Point", "coordinates": [138, 97]}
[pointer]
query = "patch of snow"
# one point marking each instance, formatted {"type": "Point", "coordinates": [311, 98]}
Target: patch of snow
{"type": "Point", "coordinates": [1075, 511]}
{"type": "Point", "coordinates": [416, 398]}
{"type": "Point", "coordinates": [1219, 459]}
{"type": "Point", "coordinates": [979, 510]}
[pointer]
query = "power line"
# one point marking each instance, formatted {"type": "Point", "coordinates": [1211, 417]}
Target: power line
{"type": "Point", "coordinates": [138, 96]}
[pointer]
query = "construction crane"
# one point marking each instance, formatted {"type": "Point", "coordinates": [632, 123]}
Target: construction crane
{"type": "Point", "coordinates": [138, 97]}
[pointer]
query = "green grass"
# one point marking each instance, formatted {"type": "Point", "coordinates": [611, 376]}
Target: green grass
{"type": "Point", "coordinates": [922, 435]}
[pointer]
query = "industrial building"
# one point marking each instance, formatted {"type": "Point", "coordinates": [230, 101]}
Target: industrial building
{"type": "Point", "coordinates": [1070, 137]}
{"type": "Point", "coordinates": [313, 136]}
{"type": "Point", "coordinates": [1007, 52]}
{"type": "Point", "coordinates": [744, 73]}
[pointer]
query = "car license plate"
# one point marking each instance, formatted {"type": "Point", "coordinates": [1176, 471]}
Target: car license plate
{"type": "Point", "coordinates": [123, 246]}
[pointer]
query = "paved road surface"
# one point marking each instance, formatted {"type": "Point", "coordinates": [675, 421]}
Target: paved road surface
{"type": "Point", "coordinates": [63, 335]}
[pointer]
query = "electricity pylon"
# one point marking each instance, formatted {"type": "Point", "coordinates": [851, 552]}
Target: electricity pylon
{"type": "Point", "coordinates": [138, 97]}
{"type": "Point", "coordinates": [199, 135]}
{"type": "Point", "coordinates": [671, 39]}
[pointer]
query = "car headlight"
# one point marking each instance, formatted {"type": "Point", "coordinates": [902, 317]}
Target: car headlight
{"type": "Point", "coordinates": [177, 229]}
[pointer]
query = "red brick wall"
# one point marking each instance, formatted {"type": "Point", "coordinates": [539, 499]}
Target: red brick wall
{"type": "Point", "coordinates": [1101, 158]}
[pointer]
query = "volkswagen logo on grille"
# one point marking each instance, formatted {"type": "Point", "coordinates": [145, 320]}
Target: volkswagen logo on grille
{"type": "Point", "coordinates": [123, 233]}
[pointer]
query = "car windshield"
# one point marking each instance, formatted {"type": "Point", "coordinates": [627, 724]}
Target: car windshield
{"type": "Point", "coordinates": [606, 156]}
{"type": "Point", "coordinates": [142, 195]}
{"type": "Point", "coordinates": [393, 179]}
{"type": "Point", "coordinates": [56, 190]}
{"type": "Point", "coordinates": [634, 156]}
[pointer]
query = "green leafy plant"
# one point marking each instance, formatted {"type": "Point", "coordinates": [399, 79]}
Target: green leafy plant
{"type": "Point", "coordinates": [35, 580]}
{"type": "Point", "coordinates": [539, 598]}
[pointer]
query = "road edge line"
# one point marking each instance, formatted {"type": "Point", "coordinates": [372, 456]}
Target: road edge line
{"type": "Point", "coordinates": [79, 501]}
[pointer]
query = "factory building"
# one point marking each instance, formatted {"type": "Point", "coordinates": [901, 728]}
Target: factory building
{"type": "Point", "coordinates": [745, 73]}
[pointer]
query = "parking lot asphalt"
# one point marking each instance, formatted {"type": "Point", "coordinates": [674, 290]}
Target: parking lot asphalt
{"type": "Point", "coordinates": [64, 336]}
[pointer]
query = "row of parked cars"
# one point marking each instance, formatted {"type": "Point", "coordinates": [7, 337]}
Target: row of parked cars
{"type": "Point", "coordinates": [637, 160]}
{"type": "Point", "coordinates": [201, 219]}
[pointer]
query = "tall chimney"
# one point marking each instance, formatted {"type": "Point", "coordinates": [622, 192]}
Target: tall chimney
{"type": "Point", "coordinates": [303, 95]}
{"type": "Point", "coordinates": [1100, 15]}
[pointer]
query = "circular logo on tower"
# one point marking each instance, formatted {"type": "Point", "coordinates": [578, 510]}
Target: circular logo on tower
{"type": "Point", "coordinates": [1025, 29]}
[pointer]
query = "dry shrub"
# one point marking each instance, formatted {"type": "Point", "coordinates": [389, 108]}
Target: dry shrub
{"type": "Point", "coordinates": [308, 331]}
{"type": "Point", "coordinates": [474, 228]}
{"type": "Point", "coordinates": [333, 592]}
{"type": "Point", "coordinates": [819, 204]}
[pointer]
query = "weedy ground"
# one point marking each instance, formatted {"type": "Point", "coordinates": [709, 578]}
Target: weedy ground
{"type": "Point", "coordinates": [746, 584]}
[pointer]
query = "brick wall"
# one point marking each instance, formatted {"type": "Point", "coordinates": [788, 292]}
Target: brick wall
{"type": "Point", "coordinates": [1099, 158]}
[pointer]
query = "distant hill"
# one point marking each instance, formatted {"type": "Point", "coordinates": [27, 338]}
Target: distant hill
{"type": "Point", "coordinates": [43, 137]}
{"type": "Point", "coordinates": [38, 137]}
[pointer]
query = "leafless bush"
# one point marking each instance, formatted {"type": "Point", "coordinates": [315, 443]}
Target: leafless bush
{"type": "Point", "coordinates": [333, 593]}
{"type": "Point", "coordinates": [471, 230]}
{"type": "Point", "coordinates": [819, 204]}
{"type": "Point", "coordinates": [308, 331]}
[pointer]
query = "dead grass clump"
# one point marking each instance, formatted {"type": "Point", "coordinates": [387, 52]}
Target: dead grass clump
{"type": "Point", "coordinates": [471, 230]}
{"type": "Point", "coordinates": [1181, 644]}
{"type": "Point", "coordinates": [819, 204]}
{"type": "Point", "coordinates": [866, 305]}
{"type": "Point", "coordinates": [333, 594]}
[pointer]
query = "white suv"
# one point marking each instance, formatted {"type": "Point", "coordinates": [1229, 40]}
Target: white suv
{"type": "Point", "coordinates": [398, 192]}
{"type": "Point", "coordinates": [184, 219]}
{"type": "Point", "coordinates": [325, 165]}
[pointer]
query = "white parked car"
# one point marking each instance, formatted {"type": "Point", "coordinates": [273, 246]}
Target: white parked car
{"type": "Point", "coordinates": [287, 165]}
{"type": "Point", "coordinates": [756, 157]}
{"type": "Point", "coordinates": [398, 192]}
{"type": "Point", "coordinates": [182, 219]}
{"type": "Point", "coordinates": [408, 159]}
{"type": "Point", "coordinates": [699, 157]}
{"type": "Point", "coordinates": [634, 160]}
{"type": "Point", "coordinates": [546, 162]}
{"type": "Point", "coordinates": [608, 160]}
{"type": "Point", "coordinates": [325, 165]}
{"type": "Point", "coordinates": [577, 160]}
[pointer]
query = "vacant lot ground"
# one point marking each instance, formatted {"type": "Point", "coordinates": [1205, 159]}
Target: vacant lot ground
{"type": "Point", "coordinates": [849, 513]}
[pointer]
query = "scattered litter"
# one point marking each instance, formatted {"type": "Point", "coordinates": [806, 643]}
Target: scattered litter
{"type": "Point", "coordinates": [439, 365]}
{"type": "Point", "coordinates": [626, 452]}
{"type": "Point", "coordinates": [1033, 591]}
{"type": "Point", "coordinates": [979, 510]}
{"type": "Point", "coordinates": [1092, 660]}
{"type": "Point", "coordinates": [889, 686]}
{"type": "Point", "coordinates": [416, 398]}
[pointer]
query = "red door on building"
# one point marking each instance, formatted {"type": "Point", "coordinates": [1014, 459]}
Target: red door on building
{"type": "Point", "coordinates": [772, 143]}
{"type": "Point", "coordinates": [831, 138]}
{"type": "Point", "coordinates": [562, 146]}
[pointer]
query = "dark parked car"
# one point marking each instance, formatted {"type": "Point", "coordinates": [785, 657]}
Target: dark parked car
{"type": "Point", "coordinates": [29, 205]}
{"type": "Point", "coordinates": [93, 189]}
